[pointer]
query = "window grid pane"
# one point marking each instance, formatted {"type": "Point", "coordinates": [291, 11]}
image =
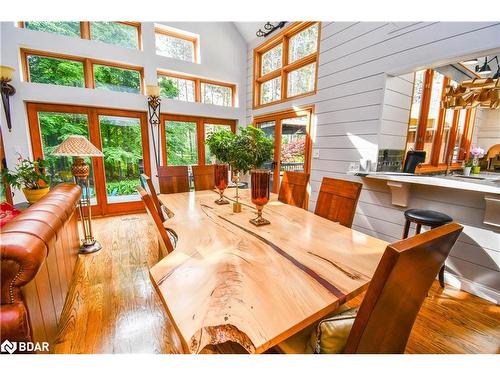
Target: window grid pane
{"type": "Point", "coordinates": [117, 79]}
{"type": "Point", "coordinates": [303, 44]}
{"type": "Point", "coordinates": [432, 118]}
{"type": "Point", "coordinates": [270, 91]}
{"type": "Point", "coordinates": [61, 28]}
{"type": "Point", "coordinates": [182, 147]}
{"type": "Point", "coordinates": [302, 80]}
{"type": "Point", "coordinates": [418, 89]}
{"type": "Point", "coordinates": [272, 59]}
{"type": "Point", "coordinates": [177, 88]}
{"type": "Point", "coordinates": [115, 33]}
{"type": "Point", "coordinates": [216, 94]}
{"type": "Point", "coordinates": [175, 48]}
{"type": "Point", "coordinates": [210, 129]}
{"type": "Point", "coordinates": [55, 71]}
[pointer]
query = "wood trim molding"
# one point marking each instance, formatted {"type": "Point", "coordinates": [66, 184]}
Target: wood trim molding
{"type": "Point", "coordinates": [283, 38]}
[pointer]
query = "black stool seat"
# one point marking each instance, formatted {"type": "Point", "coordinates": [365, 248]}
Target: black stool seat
{"type": "Point", "coordinates": [427, 217]}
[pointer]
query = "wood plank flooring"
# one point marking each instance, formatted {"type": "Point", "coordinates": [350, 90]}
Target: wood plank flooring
{"type": "Point", "coordinates": [112, 307]}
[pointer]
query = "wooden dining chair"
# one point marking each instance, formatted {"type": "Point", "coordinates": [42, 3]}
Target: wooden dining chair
{"type": "Point", "coordinates": [203, 177]}
{"type": "Point", "coordinates": [147, 185]}
{"type": "Point", "coordinates": [164, 241]}
{"type": "Point", "coordinates": [397, 290]}
{"type": "Point", "coordinates": [173, 179]}
{"type": "Point", "coordinates": [293, 188]}
{"type": "Point", "coordinates": [337, 200]}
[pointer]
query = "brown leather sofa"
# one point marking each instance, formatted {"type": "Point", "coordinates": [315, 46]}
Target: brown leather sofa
{"type": "Point", "coordinates": [25, 244]}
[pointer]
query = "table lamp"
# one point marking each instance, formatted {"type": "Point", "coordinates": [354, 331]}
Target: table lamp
{"type": "Point", "coordinates": [79, 146]}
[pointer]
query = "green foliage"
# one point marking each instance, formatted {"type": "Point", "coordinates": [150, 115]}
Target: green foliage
{"type": "Point", "coordinates": [168, 88]}
{"type": "Point", "coordinates": [56, 71]}
{"type": "Point", "coordinates": [114, 33]}
{"type": "Point", "coordinates": [117, 79]}
{"type": "Point", "coordinates": [220, 144]}
{"type": "Point", "coordinates": [62, 28]}
{"type": "Point", "coordinates": [123, 187]}
{"type": "Point", "coordinates": [27, 174]}
{"type": "Point", "coordinates": [250, 149]}
{"type": "Point", "coordinates": [181, 143]}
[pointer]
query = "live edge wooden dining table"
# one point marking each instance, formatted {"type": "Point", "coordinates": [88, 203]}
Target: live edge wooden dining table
{"type": "Point", "coordinates": [230, 281]}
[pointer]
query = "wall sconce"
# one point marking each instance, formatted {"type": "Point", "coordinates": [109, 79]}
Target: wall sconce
{"type": "Point", "coordinates": [269, 28]}
{"type": "Point", "coordinates": [7, 91]}
{"type": "Point", "coordinates": [154, 101]}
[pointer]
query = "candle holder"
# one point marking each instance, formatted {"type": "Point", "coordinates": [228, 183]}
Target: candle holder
{"type": "Point", "coordinates": [260, 193]}
{"type": "Point", "coordinates": [221, 181]}
{"type": "Point", "coordinates": [235, 178]}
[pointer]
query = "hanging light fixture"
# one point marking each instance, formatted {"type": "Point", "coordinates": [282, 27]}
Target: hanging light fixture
{"type": "Point", "coordinates": [485, 69]}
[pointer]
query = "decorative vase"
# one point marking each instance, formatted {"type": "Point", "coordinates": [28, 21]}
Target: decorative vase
{"type": "Point", "coordinates": [259, 179]}
{"type": "Point", "coordinates": [34, 195]}
{"type": "Point", "coordinates": [221, 181]}
{"type": "Point", "coordinates": [476, 169]}
{"type": "Point", "coordinates": [235, 178]}
{"type": "Point", "coordinates": [467, 171]}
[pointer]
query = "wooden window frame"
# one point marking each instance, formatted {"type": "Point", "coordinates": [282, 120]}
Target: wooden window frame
{"type": "Point", "coordinates": [200, 132]}
{"type": "Point", "coordinates": [283, 38]}
{"type": "Point", "coordinates": [179, 35]}
{"type": "Point", "coordinates": [85, 31]}
{"type": "Point", "coordinates": [197, 85]}
{"type": "Point", "coordinates": [277, 117]}
{"type": "Point", "coordinates": [88, 66]}
{"type": "Point", "coordinates": [465, 142]}
{"type": "Point", "coordinates": [103, 207]}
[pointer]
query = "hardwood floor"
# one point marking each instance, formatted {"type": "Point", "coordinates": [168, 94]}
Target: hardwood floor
{"type": "Point", "coordinates": [112, 307]}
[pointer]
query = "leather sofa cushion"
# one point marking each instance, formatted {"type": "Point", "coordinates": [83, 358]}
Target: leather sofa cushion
{"type": "Point", "coordinates": [14, 324]}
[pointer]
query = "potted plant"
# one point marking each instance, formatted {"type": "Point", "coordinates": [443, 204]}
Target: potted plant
{"type": "Point", "coordinates": [30, 177]}
{"type": "Point", "coordinates": [476, 152]}
{"type": "Point", "coordinates": [467, 167]}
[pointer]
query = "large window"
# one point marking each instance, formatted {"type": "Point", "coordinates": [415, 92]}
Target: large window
{"type": "Point", "coordinates": [124, 34]}
{"type": "Point", "coordinates": [444, 135]}
{"type": "Point", "coordinates": [285, 67]}
{"type": "Point", "coordinates": [56, 69]}
{"type": "Point", "coordinates": [176, 44]}
{"type": "Point", "coordinates": [195, 89]}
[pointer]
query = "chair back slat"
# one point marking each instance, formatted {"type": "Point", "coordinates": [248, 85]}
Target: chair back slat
{"type": "Point", "coordinates": [397, 290]}
{"type": "Point", "coordinates": [173, 179]}
{"type": "Point", "coordinates": [293, 188]}
{"type": "Point", "coordinates": [203, 177]}
{"type": "Point", "coordinates": [166, 246]}
{"type": "Point", "coordinates": [147, 184]}
{"type": "Point", "coordinates": [337, 200]}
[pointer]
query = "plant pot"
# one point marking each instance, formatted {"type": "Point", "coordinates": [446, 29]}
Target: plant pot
{"type": "Point", "coordinates": [34, 195]}
{"type": "Point", "coordinates": [476, 169]}
{"type": "Point", "coordinates": [467, 171]}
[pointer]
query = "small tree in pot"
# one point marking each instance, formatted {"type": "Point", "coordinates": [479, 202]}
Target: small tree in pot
{"type": "Point", "coordinates": [30, 177]}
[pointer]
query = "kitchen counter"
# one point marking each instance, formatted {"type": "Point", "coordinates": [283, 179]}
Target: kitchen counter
{"type": "Point", "coordinates": [484, 182]}
{"type": "Point", "coordinates": [487, 183]}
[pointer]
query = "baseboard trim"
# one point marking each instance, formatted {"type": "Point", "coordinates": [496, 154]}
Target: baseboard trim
{"type": "Point", "coordinates": [472, 287]}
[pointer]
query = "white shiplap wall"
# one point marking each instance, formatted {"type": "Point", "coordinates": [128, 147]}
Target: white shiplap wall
{"type": "Point", "coordinates": [363, 98]}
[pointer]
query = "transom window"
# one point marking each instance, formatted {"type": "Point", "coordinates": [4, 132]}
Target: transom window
{"type": "Point", "coordinates": [56, 69]}
{"type": "Point", "coordinates": [444, 134]}
{"type": "Point", "coordinates": [176, 44]}
{"type": "Point", "coordinates": [195, 89]}
{"type": "Point", "coordinates": [285, 66]}
{"type": "Point", "coordinates": [124, 34]}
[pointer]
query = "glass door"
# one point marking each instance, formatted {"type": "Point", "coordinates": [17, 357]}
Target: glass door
{"type": "Point", "coordinates": [121, 135]}
{"type": "Point", "coordinates": [289, 132]}
{"type": "Point", "coordinates": [123, 149]}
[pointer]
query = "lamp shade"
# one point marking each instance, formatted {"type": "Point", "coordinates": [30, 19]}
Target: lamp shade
{"type": "Point", "coordinates": [6, 73]}
{"type": "Point", "coordinates": [76, 145]}
{"type": "Point", "coordinates": [152, 90]}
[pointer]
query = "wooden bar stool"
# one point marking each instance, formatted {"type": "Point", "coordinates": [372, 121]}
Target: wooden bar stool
{"type": "Point", "coordinates": [428, 218]}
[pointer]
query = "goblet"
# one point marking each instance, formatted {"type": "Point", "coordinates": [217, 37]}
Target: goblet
{"type": "Point", "coordinates": [221, 181]}
{"type": "Point", "coordinates": [260, 193]}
